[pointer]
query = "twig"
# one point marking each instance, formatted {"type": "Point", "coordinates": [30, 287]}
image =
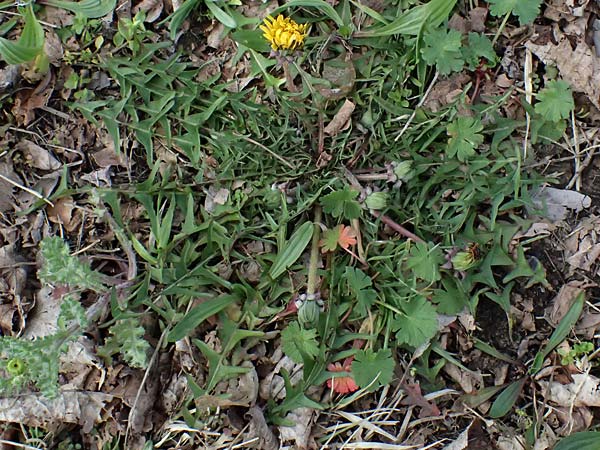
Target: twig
{"type": "Point", "coordinates": [396, 226]}
{"type": "Point", "coordinates": [528, 97]}
{"type": "Point", "coordinates": [26, 189]}
{"type": "Point", "coordinates": [421, 102]}
{"type": "Point", "coordinates": [311, 284]}
{"type": "Point", "coordinates": [584, 165]}
{"type": "Point", "coordinates": [576, 152]}
{"type": "Point", "coordinates": [267, 149]}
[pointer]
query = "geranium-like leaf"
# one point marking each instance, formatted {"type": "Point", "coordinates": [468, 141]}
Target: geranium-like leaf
{"type": "Point", "coordinates": [341, 235]}
{"type": "Point", "coordinates": [373, 369]}
{"type": "Point", "coordinates": [418, 323]}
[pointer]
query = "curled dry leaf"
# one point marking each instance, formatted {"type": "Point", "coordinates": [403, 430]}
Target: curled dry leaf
{"type": "Point", "coordinates": [259, 429]}
{"type": "Point", "coordinates": [341, 120]}
{"type": "Point", "coordinates": [37, 156]}
{"type": "Point", "coordinates": [299, 434]}
{"type": "Point", "coordinates": [26, 102]}
{"type": "Point", "coordinates": [564, 299]}
{"type": "Point", "coordinates": [62, 213]}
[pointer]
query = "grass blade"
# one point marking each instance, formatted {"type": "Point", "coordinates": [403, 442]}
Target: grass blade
{"type": "Point", "coordinates": [292, 250]}
{"type": "Point", "coordinates": [199, 314]}
{"type": "Point", "coordinates": [585, 440]}
{"type": "Point", "coordinates": [320, 4]}
{"type": "Point", "coordinates": [92, 9]}
{"type": "Point", "coordinates": [507, 399]}
{"type": "Point", "coordinates": [560, 333]}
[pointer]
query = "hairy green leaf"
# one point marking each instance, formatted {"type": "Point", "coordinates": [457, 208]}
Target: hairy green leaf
{"type": "Point", "coordinates": [373, 369]}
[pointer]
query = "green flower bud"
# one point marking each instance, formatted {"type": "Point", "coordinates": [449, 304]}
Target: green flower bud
{"type": "Point", "coordinates": [464, 260]}
{"type": "Point", "coordinates": [377, 200]}
{"type": "Point", "coordinates": [308, 313]}
{"type": "Point", "coordinates": [403, 170]}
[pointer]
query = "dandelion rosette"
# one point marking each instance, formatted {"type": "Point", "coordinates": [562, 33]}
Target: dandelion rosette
{"type": "Point", "coordinates": [284, 33]}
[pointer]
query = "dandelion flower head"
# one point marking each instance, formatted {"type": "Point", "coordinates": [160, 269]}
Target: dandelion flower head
{"type": "Point", "coordinates": [284, 33]}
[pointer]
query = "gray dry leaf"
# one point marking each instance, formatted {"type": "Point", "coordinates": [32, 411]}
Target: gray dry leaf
{"type": "Point", "coordinates": [37, 156]}
{"type": "Point", "coordinates": [461, 442]}
{"type": "Point", "coordinates": [564, 299]}
{"type": "Point", "coordinates": [263, 437]}
{"type": "Point", "coordinates": [557, 202]}
{"type": "Point", "coordinates": [579, 67]}
{"type": "Point", "coordinates": [215, 197]}
{"type": "Point", "coordinates": [583, 391]}
{"type": "Point", "coordinates": [341, 120]}
{"type": "Point", "coordinates": [300, 432]}
{"type": "Point", "coordinates": [34, 410]}
{"type": "Point", "coordinates": [152, 8]}
{"type": "Point", "coordinates": [6, 200]}
{"type": "Point", "coordinates": [582, 247]}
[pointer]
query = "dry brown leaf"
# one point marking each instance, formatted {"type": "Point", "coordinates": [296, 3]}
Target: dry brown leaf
{"type": "Point", "coordinates": [53, 48]}
{"type": "Point", "coordinates": [573, 419]}
{"type": "Point", "coordinates": [477, 17]}
{"type": "Point", "coordinates": [300, 433]}
{"type": "Point", "coordinates": [6, 199]}
{"type": "Point", "coordinates": [246, 391]}
{"type": "Point", "coordinates": [414, 397]}
{"type": "Point", "coordinates": [34, 410]}
{"type": "Point", "coordinates": [259, 429]}
{"type": "Point", "coordinates": [152, 8]}
{"type": "Point", "coordinates": [62, 212]}
{"type": "Point", "coordinates": [581, 247]}
{"type": "Point", "coordinates": [108, 157]}
{"type": "Point", "coordinates": [579, 67]}
{"type": "Point", "coordinates": [583, 391]}
{"type": "Point", "coordinates": [341, 120]}
{"type": "Point", "coordinates": [564, 299]}
{"type": "Point", "coordinates": [37, 156]}
{"type": "Point", "coordinates": [446, 91]}
{"type": "Point", "coordinates": [26, 102]}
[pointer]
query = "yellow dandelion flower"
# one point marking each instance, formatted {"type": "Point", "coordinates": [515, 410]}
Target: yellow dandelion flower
{"type": "Point", "coordinates": [284, 33]}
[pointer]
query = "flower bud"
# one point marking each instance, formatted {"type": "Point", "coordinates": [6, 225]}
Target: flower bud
{"type": "Point", "coordinates": [403, 170]}
{"type": "Point", "coordinates": [377, 200]}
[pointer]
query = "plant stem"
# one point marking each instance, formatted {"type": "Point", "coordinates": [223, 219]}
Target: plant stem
{"type": "Point", "coordinates": [311, 284]}
{"type": "Point", "coordinates": [501, 27]}
{"type": "Point", "coordinates": [289, 82]}
{"type": "Point", "coordinates": [396, 226]}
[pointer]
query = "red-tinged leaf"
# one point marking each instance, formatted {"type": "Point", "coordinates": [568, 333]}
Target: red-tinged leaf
{"type": "Point", "coordinates": [341, 235]}
{"type": "Point", "coordinates": [347, 237]}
